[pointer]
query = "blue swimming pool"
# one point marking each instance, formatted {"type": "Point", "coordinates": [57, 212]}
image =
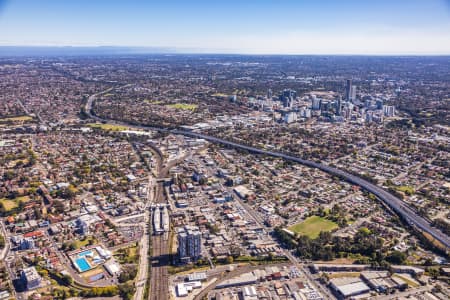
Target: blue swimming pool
{"type": "Point", "coordinates": [82, 264]}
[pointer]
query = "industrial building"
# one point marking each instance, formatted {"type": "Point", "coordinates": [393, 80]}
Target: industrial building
{"type": "Point", "coordinates": [348, 287]}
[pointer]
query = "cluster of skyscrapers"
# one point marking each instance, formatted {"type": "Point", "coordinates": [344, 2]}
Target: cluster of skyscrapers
{"type": "Point", "coordinates": [348, 108]}
{"type": "Point", "coordinates": [288, 97]}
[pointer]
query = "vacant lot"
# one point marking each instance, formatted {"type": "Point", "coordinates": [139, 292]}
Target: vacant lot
{"type": "Point", "coordinates": [312, 226]}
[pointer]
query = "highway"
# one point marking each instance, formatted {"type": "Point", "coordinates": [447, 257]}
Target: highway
{"type": "Point", "coordinates": [397, 205]}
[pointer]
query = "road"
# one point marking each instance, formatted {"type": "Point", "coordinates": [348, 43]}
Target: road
{"type": "Point", "coordinates": [142, 275]}
{"type": "Point", "coordinates": [7, 246]}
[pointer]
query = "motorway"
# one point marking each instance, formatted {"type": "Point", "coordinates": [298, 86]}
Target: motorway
{"type": "Point", "coordinates": [397, 205]}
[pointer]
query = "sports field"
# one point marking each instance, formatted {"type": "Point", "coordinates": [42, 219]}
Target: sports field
{"type": "Point", "coordinates": [110, 127]}
{"type": "Point", "coordinates": [312, 226]}
{"type": "Point", "coordinates": [16, 119]}
{"type": "Point", "coordinates": [183, 106]}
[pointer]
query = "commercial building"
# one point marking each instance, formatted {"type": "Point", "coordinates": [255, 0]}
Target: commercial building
{"type": "Point", "coordinates": [348, 89]}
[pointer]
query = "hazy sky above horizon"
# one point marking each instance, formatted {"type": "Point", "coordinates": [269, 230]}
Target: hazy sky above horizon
{"type": "Point", "coordinates": [233, 26]}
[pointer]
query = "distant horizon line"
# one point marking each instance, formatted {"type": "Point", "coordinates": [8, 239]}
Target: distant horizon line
{"type": "Point", "coordinates": [142, 50]}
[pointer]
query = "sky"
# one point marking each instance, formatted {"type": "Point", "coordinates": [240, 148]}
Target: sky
{"type": "Point", "coordinates": [233, 26]}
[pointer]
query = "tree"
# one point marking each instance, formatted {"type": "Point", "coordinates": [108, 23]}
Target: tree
{"type": "Point", "coordinates": [73, 246]}
{"type": "Point", "coordinates": [230, 259]}
{"type": "Point", "coordinates": [126, 291]}
{"type": "Point", "coordinates": [396, 257]}
{"type": "Point", "coordinates": [433, 272]}
{"type": "Point", "coordinates": [67, 279]}
{"type": "Point", "coordinates": [59, 206]}
{"type": "Point", "coordinates": [364, 231]}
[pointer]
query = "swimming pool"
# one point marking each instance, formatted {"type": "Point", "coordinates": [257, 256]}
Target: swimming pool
{"type": "Point", "coordinates": [82, 264]}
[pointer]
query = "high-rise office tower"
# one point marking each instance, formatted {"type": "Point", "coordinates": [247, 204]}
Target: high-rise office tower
{"type": "Point", "coordinates": [316, 103]}
{"type": "Point", "coordinates": [353, 92]}
{"type": "Point", "coordinates": [379, 103]}
{"type": "Point", "coordinates": [348, 89]}
{"type": "Point", "coordinates": [338, 106]}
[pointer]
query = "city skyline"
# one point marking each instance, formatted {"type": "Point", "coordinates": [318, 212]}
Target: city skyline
{"type": "Point", "coordinates": [254, 27]}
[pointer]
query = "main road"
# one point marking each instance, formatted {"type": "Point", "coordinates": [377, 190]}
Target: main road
{"type": "Point", "coordinates": [397, 205]}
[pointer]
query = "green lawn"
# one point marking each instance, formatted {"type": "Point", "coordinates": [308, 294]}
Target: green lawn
{"type": "Point", "coordinates": [82, 243]}
{"type": "Point", "coordinates": [108, 126]}
{"type": "Point", "coordinates": [312, 226]}
{"type": "Point", "coordinates": [183, 106]}
{"type": "Point", "coordinates": [127, 255]}
{"type": "Point", "coordinates": [17, 119]}
{"type": "Point", "coordinates": [8, 205]}
{"type": "Point", "coordinates": [155, 102]}
{"type": "Point", "coordinates": [409, 190]}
